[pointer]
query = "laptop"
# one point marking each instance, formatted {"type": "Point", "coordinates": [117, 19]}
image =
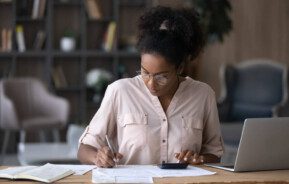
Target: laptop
{"type": "Point", "coordinates": [264, 145]}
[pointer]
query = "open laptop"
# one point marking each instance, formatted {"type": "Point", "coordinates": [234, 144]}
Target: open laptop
{"type": "Point", "coordinates": [264, 145]}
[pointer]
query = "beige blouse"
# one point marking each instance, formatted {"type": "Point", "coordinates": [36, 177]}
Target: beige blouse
{"type": "Point", "coordinates": [145, 134]}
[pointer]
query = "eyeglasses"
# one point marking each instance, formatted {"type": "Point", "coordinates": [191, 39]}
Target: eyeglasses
{"type": "Point", "coordinates": [160, 79]}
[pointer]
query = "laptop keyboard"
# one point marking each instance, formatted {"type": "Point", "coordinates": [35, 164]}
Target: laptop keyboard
{"type": "Point", "coordinates": [229, 166]}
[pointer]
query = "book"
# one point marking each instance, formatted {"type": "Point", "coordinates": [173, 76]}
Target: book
{"type": "Point", "coordinates": [6, 38]}
{"type": "Point", "coordinates": [93, 9]}
{"type": "Point", "coordinates": [35, 9]}
{"type": "Point", "coordinates": [109, 37]}
{"type": "Point", "coordinates": [59, 78]}
{"type": "Point", "coordinates": [39, 40]}
{"type": "Point", "coordinates": [20, 38]}
{"type": "Point", "coordinates": [47, 173]}
{"type": "Point", "coordinates": [38, 9]}
{"type": "Point", "coordinates": [9, 40]}
{"type": "Point", "coordinates": [41, 9]}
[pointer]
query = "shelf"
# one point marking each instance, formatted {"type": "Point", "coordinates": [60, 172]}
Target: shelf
{"type": "Point", "coordinates": [133, 3]}
{"type": "Point", "coordinates": [60, 16]}
{"type": "Point", "coordinates": [6, 54]}
{"type": "Point", "coordinates": [99, 53]}
{"type": "Point", "coordinates": [29, 19]}
{"type": "Point", "coordinates": [76, 53]}
{"type": "Point", "coordinates": [67, 3]}
{"type": "Point", "coordinates": [30, 54]}
{"type": "Point", "coordinates": [128, 54]}
{"type": "Point", "coordinates": [102, 20]}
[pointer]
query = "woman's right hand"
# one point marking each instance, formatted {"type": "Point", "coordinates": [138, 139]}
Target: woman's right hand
{"type": "Point", "coordinates": [105, 158]}
{"type": "Point", "coordinates": [100, 157]}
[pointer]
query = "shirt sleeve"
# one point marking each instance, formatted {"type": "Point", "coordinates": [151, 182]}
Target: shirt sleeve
{"type": "Point", "coordinates": [103, 122]}
{"type": "Point", "coordinates": [212, 139]}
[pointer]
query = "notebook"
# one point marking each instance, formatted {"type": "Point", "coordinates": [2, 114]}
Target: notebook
{"type": "Point", "coordinates": [264, 145]}
{"type": "Point", "coordinates": [47, 173]}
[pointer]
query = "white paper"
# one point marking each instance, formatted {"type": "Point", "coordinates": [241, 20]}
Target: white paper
{"type": "Point", "coordinates": [78, 169]}
{"type": "Point", "coordinates": [141, 173]}
{"type": "Point", "coordinates": [190, 171]}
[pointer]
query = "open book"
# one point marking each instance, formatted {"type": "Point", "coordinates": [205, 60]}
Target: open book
{"type": "Point", "coordinates": [47, 173]}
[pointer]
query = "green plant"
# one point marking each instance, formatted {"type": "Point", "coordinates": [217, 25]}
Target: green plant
{"type": "Point", "coordinates": [98, 79]}
{"type": "Point", "coordinates": [69, 33]}
{"type": "Point", "coordinates": [214, 15]}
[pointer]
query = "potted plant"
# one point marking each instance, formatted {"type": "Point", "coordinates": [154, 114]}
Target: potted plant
{"type": "Point", "coordinates": [214, 17]}
{"type": "Point", "coordinates": [68, 41]}
{"type": "Point", "coordinates": [216, 23]}
{"type": "Point", "coordinates": [97, 80]}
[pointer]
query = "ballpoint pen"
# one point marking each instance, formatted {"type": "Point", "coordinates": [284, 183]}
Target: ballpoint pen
{"type": "Point", "coordinates": [111, 149]}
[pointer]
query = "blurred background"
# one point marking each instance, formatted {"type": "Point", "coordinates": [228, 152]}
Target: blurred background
{"type": "Point", "coordinates": [58, 56]}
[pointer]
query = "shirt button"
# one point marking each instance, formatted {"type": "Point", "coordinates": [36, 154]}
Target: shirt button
{"type": "Point", "coordinates": [164, 141]}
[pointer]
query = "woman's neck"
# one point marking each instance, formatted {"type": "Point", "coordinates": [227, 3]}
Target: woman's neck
{"type": "Point", "coordinates": [172, 92]}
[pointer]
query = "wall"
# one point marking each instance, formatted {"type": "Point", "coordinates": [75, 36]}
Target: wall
{"type": "Point", "coordinates": [261, 30]}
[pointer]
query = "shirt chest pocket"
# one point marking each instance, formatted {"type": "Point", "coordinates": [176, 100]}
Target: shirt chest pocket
{"type": "Point", "coordinates": [134, 130]}
{"type": "Point", "coordinates": [192, 133]}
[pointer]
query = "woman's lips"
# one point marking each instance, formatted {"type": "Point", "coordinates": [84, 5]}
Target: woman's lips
{"type": "Point", "coordinates": [153, 90]}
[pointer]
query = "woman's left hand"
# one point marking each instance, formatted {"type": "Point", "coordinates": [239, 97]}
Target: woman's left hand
{"type": "Point", "coordinates": [196, 159]}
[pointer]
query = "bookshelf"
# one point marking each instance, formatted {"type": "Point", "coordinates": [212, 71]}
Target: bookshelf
{"type": "Point", "coordinates": [43, 31]}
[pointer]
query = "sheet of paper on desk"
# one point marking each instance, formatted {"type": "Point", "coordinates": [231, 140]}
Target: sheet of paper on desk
{"type": "Point", "coordinates": [141, 173]}
{"type": "Point", "coordinates": [123, 174]}
{"type": "Point", "coordinates": [190, 171]}
{"type": "Point", "coordinates": [78, 169]}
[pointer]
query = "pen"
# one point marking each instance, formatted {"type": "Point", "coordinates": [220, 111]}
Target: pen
{"type": "Point", "coordinates": [111, 148]}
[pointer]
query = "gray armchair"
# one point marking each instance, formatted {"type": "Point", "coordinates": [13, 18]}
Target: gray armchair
{"type": "Point", "coordinates": [26, 105]}
{"type": "Point", "coordinates": [251, 89]}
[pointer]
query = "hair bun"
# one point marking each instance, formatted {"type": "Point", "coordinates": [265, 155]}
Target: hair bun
{"type": "Point", "coordinates": [180, 27]}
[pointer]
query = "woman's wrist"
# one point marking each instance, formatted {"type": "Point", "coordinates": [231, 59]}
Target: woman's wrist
{"type": "Point", "coordinates": [87, 154]}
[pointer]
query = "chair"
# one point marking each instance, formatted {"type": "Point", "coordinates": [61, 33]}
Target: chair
{"type": "Point", "coordinates": [26, 105]}
{"type": "Point", "coordinates": [251, 89]}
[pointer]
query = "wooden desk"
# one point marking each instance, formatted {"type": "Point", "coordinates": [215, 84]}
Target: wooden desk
{"type": "Point", "coordinates": [274, 177]}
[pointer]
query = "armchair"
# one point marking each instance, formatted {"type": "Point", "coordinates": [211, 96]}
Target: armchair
{"type": "Point", "coordinates": [251, 89]}
{"type": "Point", "coordinates": [26, 105]}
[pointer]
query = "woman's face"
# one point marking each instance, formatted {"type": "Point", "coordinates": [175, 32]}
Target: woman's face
{"type": "Point", "coordinates": [159, 75]}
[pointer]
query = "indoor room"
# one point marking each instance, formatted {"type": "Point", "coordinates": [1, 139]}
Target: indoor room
{"type": "Point", "coordinates": [76, 75]}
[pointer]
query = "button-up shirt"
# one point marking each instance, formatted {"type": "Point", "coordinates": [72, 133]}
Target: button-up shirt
{"type": "Point", "coordinates": [144, 134]}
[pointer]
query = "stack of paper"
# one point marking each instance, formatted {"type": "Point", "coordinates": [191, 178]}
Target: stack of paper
{"type": "Point", "coordinates": [141, 173]}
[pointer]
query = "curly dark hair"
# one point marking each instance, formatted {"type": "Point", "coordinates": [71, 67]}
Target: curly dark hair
{"type": "Point", "coordinates": [175, 34]}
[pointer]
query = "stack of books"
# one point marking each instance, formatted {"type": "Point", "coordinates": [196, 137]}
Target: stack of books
{"type": "Point", "coordinates": [38, 9]}
{"type": "Point", "coordinates": [6, 40]}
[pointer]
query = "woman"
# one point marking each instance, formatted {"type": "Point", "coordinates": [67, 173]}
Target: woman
{"type": "Point", "coordinates": [157, 116]}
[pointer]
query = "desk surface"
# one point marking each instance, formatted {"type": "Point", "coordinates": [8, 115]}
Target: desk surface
{"type": "Point", "coordinates": [278, 176]}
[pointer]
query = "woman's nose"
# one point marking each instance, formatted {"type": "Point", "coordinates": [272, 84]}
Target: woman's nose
{"type": "Point", "coordinates": [151, 82]}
